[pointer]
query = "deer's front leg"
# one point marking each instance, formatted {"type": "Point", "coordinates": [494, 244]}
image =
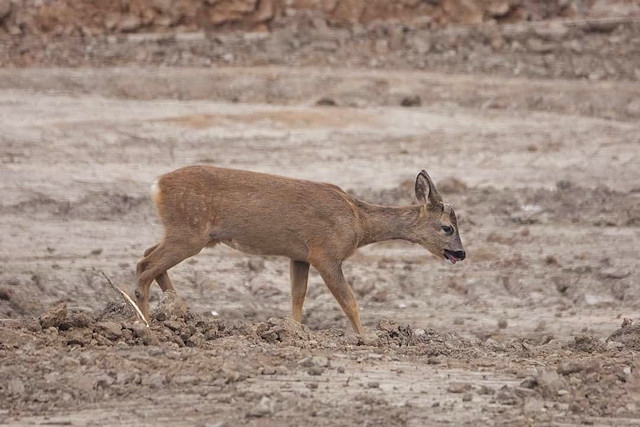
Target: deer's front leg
{"type": "Point", "coordinates": [334, 279]}
{"type": "Point", "coordinates": [299, 271]}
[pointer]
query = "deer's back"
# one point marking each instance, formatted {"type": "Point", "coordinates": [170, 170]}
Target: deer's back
{"type": "Point", "coordinates": [258, 213]}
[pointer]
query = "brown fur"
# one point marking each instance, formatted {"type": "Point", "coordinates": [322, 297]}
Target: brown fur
{"type": "Point", "coordinates": [311, 223]}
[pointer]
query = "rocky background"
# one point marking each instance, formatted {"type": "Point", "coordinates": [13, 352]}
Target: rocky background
{"type": "Point", "coordinates": [596, 40]}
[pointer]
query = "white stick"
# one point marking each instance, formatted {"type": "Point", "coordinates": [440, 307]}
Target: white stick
{"type": "Point", "coordinates": [127, 298]}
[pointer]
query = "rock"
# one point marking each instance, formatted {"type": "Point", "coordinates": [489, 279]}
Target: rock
{"type": "Point", "coordinates": [76, 319]}
{"type": "Point", "coordinates": [5, 9]}
{"type": "Point", "coordinates": [110, 330]}
{"type": "Point", "coordinates": [633, 108]}
{"type": "Point", "coordinates": [311, 361]}
{"type": "Point", "coordinates": [174, 325]}
{"type": "Point", "coordinates": [171, 306]}
{"type": "Point", "coordinates": [196, 340]}
{"type": "Point", "coordinates": [548, 382]}
{"type": "Point", "coordinates": [15, 387]}
{"type": "Point", "coordinates": [502, 323]}
{"type": "Point", "coordinates": [420, 43]}
{"type": "Point", "coordinates": [348, 11]}
{"type": "Point", "coordinates": [264, 12]}
{"type": "Point", "coordinates": [55, 316]}
{"type": "Point", "coordinates": [111, 21]}
{"type": "Point", "coordinates": [458, 387]}
{"type": "Point", "coordinates": [256, 264]}
{"type": "Point", "coordinates": [568, 367]}
{"type": "Point", "coordinates": [533, 405]}
{"type": "Point", "coordinates": [506, 396]}
{"type": "Point", "coordinates": [539, 46]}
{"type": "Point", "coordinates": [129, 23]}
{"type": "Point", "coordinates": [286, 331]}
{"type": "Point", "coordinates": [551, 31]}
{"type": "Point", "coordinates": [162, 5]}
{"type": "Point", "coordinates": [497, 8]}
{"type": "Point", "coordinates": [326, 102]}
{"type": "Point", "coordinates": [223, 12]}
{"type": "Point", "coordinates": [14, 30]}
{"type": "Point", "coordinates": [485, 390]}
{"type": "Point", "coordinates": [14, 339]}
{"type": "Point", "coordinates": [154, 380]}
{"type": "Point", "coordinates": [315, 370]}
{"type": "Point", "coordinates": [463, 11]}
{"type": "Point", "coordinates": [79, 336]}
{"type": "Point", "coordinates": [263, 408]}
{"type": "Point", "coordinates": [452, 185]}
{"type": "Point", "coordinates": [411, 101]}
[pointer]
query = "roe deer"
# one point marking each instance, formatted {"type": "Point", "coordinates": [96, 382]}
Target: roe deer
{"type": "Point", "coordinates": [311, 223]}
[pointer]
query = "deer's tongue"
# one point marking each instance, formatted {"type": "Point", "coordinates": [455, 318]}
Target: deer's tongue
{"type": "Point", "coordinates": [450, 258]}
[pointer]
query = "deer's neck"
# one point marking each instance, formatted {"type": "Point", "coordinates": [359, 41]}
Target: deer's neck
{"type": "Point", "coordinates": [382, 223]}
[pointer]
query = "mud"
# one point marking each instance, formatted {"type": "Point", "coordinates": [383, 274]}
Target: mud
{"type": "Point", "coordinates": [538, 326]}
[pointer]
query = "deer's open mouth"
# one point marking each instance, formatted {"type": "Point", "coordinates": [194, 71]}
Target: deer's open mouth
{"type": "Point", "coordinates": [454, 256]}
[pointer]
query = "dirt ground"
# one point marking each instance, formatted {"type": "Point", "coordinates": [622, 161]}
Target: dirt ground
{"type": "Point", "coordinates": [536, 327]}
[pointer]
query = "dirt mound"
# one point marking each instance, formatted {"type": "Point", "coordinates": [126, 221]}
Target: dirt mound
{"type": "Point", "coordinates": [66, 17]}
{"type": "Point", "coordinates": [628, 336]}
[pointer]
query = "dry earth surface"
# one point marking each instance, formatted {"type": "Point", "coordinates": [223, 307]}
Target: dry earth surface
{"type": "Point", "coordinates": [536, 327]}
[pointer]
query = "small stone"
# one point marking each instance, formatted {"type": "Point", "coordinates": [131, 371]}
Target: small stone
{"type": "Point", "coordinates": [173, 325]}
{"type": "Point", "coordinates": [467, 397]}
{"type": "Point", "coordinates": [15, 387]}
{"type": "Point", "coordinates": [411, 101]}
{"type": "Point", "coordinates": [485, 390]}
{"type": "Point", "coordinates": [633, 108]}
{"type": "Point", "coordinates": [5, 9]}
{"type": "Point", "coordinates": [196, 340]}
{"type": "Point", "coordinates": [458, 387]}
{"type": "Point", "coordinates": [263, 408]}
{"type": "Point", "coordinates": [111, 21]}
{"type": "Point", "coordinates": [564, 185]}
{"type": "Point", "coordinates": [373, 384]}
{"type": "Point", "coordinates": [154, 381]}
{"type": "Point", "coordinates": [256, 264]}
{"type": "Point", "coordinates": [315, 370]}
{"type": "Point", "coordinates": [320, 361]}
{"type": "Point", "coordinates": [79, 336]}
{"type": "Point", "coordinates": [562, 392]}
{"type": "Point", "coordinates": [129, 23]}
{"type": "Point", "coordinates": [110, 330]}
{"type": "Point", "coordinates": [568, 367]}
{"type": "Point", "coordinates": [268, 370]}
{"type": "Point", "coordinates": [55, 316]}
{"type": "Point", "coordinates": [326, 102]}
{"type": "Point", "coordinates": [533, 405]}
{"type": "Point", "coordinates": [502, 323]}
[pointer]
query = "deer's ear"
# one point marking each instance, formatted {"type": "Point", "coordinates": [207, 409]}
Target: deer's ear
{"type": "Point", "coordinates": [426, 190]}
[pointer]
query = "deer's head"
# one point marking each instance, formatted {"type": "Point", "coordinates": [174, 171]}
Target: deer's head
{"type": "Point", "coordinates": [437, 227]}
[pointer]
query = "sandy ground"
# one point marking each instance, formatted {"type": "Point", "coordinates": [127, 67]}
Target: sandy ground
{"type": "Point", "coordinates": [544, 177]}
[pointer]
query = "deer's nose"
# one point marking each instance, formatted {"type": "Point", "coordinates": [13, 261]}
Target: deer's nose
{"type": "Point", "coordinates": [460, 255]}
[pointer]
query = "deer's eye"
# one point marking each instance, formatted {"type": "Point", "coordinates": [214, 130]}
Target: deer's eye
{"type": "Point", "coordinates": [448, 230]}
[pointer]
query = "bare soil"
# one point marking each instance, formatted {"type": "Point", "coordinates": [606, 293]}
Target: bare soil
{"type": "Point", "coordinates": [536, 327]}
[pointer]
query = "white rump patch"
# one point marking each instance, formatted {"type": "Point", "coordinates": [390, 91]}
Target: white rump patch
{"type": "Point", "coordinates": [155, 191]}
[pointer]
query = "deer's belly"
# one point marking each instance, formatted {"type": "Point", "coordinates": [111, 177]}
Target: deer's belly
{"type": "Point", "coordinates": [291, 251]}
